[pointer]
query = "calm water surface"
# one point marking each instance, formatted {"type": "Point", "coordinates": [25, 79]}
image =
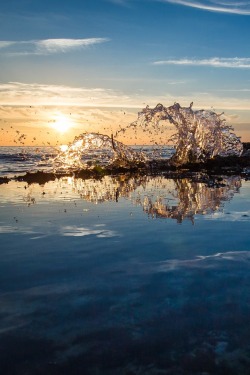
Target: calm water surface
{"type": "Point", "coordinates": [127, 275]}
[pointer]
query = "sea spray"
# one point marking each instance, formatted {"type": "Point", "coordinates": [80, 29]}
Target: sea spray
{"type": "Point", "coordinates": [91, 149]}
{"type": "Point", "coordinates": [200, 135]}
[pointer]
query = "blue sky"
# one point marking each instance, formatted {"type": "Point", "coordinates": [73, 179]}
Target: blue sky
{"type": "Point", "coordinates": [126, 53]}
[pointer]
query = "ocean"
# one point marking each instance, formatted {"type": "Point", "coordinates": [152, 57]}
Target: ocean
{"type": "Point", "coordinates": [19, 160]}
{"type": "Point", "coordinates": [16, 160]}
{"type": "Point", "coordinates": [126, 274]}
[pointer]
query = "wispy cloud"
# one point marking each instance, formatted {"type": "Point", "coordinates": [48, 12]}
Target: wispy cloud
{"type": "Point", "coordinates": [5, 43]}
{"type": "Point", "coordinates": [232, 7]}
{"type": "Point", "coordinates": [35, 94]}
{"type": "Point", "coordinates": [47, 46]}
{"type": "Point", "coordinates": [18, 93]}
{"type": "Point", "coordinates": [216, 62]}
{"type": "Point", "coordinates": [233, 90]}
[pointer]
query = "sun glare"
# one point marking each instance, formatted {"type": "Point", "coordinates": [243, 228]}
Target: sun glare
{"type": "Point", "coordinates": [62, 123]}
{"type": "Point", "coordinates": [64, 148]}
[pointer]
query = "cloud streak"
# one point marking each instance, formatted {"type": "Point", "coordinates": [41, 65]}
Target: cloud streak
{"type": "Point", "coordinates": [18, 93]}
{"type": "Point", "coordinates": [6, 44]}
{"type": "Point", "coordinates": [231, 7]}
{"type": "Point", "coordinates": [35, 94]}
{"type": "Point", "coordinates": [215, 62]}
{"type": "Point", "coordinates": [47, 46]}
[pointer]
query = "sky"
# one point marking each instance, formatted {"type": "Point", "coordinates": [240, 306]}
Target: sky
{"type": "Point", "coordinates": [90, 65]}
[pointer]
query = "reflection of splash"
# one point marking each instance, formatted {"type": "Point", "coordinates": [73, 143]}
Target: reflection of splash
{"type": "Point", "coordinates": [158, 196]}
{"type": "Point", "coordinates": [108, 188]}
{"type": "Point", "coordinates": [193, 198]}
{"type": "Point", "coordinates": [161, 198]}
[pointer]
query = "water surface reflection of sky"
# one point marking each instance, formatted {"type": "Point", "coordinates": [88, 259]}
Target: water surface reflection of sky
{"type": "Point", "coordinates": [125, 276]}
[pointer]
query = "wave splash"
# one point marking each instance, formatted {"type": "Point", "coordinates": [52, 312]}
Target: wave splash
{"type": "Point", "coordinates": [200, 135]}
{"type": "Point", "coordinates": [90, 149]}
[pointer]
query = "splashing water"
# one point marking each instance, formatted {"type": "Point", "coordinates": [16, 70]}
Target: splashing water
{"type": "Point", "coordinates": [90, 149]}
{"type": "Point", "coordinates": [200, 135]}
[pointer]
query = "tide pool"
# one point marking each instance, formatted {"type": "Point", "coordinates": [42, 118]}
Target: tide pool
{"type": "Point", "coordinates": [125, 276]}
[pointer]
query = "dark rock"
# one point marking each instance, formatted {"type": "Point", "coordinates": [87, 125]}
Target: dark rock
{"type": "Point", "coordinates": [4, 180]}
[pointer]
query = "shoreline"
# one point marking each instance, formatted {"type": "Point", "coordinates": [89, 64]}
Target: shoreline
{"type": "Point", "coordinates": [204, 171]}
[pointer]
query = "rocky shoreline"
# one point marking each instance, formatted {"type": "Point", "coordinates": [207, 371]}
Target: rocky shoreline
{"type": "Point", "coordinates": [211, 169]}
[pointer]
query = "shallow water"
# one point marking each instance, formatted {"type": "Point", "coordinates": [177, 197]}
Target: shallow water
{"type": "Point", "coordinates": [127, 275]}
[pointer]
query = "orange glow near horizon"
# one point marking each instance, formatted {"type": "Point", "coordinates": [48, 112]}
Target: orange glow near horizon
{"type": "Point", "coordinates": [56, 136]}
{"type": "Point", "coordinates": [54, 126]}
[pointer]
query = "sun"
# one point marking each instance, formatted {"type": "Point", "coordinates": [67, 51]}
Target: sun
{"type": "Point", "coordinates": [62, 123]}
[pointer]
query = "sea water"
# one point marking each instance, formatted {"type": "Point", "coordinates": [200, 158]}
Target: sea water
{"type": "Point", "coordinates": [126, 274]}
{"type": "Point", "coordinates": [122, 275]}
{"type": "Point", "coordinates": [19, 159]}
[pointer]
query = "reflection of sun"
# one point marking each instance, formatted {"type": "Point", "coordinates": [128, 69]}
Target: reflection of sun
{"type": "Point", "coordinates": [62, 123]}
